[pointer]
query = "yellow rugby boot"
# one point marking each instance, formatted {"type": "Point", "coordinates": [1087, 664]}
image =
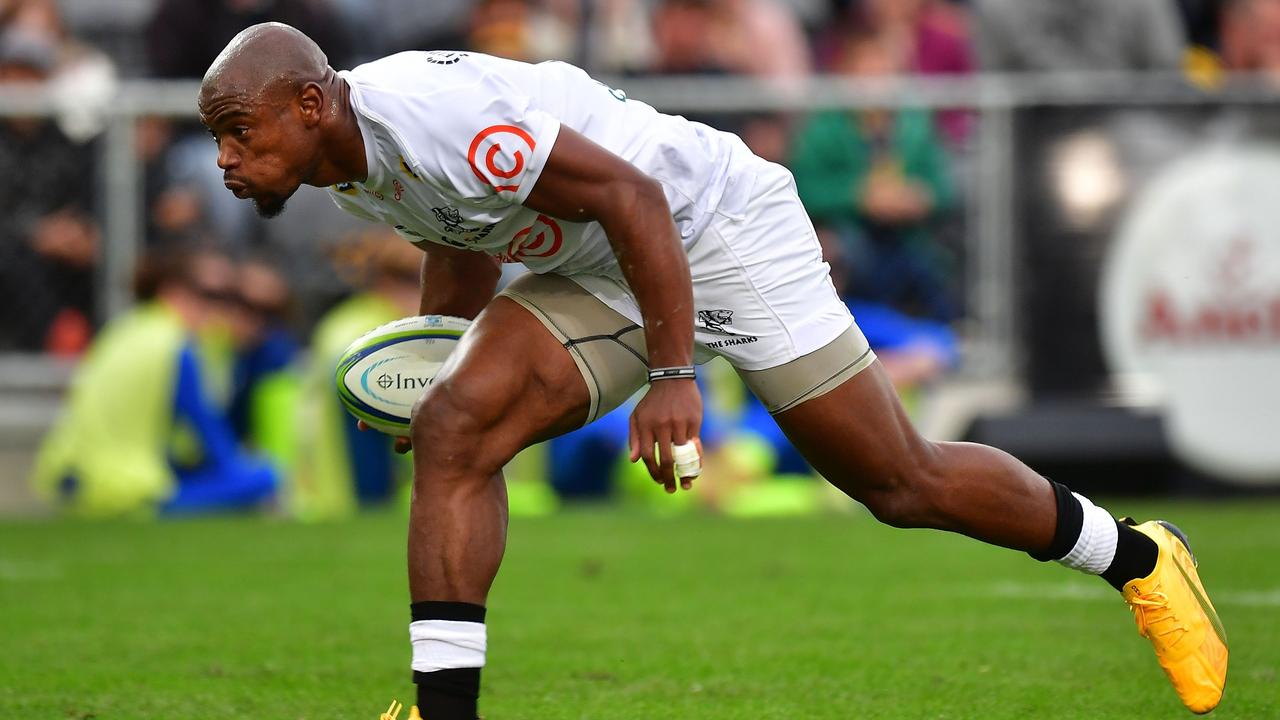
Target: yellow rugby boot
{"type": "Point", "coordinates": [394, 711]}
{"type": "Point", "coordinates": [1173, 612]}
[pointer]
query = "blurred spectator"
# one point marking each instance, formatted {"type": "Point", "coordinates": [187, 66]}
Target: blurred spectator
{"type": "Point", "coordinates": [763, 39]}
{"type": "Point", "coordinates": [756, 38]}
{"type": "Point", "coordinates": [760, 38]}
{"type": "Point", "coordinates": [610, 39]}
{"type": "Point", "coordinates": [1078, 35]}
{"type": "Point", "coordinates": [191, 202]}
{"type": "Point", "coordinates": [681, 32]}
{"type": "Point", "coordinates": [1232, 36]}
{"type": "Point", "coordinates": [184, 36]}
{"type": "Point", "coordinates": [139, 433]}
{"type": "Point", "coordinates": [521, 30]}
{"type": "Point", "coordinates": [926, 37]}
{"type": "Point", "coordinates": [1251, 36]}
{"type": "Point", "coordinates": [81, 80]}
{"type": "Point", "coordinates": [913, 351]}
{"type": "Point", "coordinates": [929, 37]}
{"type": "Point", "coordinates": [337, 467]}
{"type": "Point", "coordinates": [413, 25]}
{"type": "Point", "coordinates": [263, 390]}
{"type": "Point", "coordinates": [50, 242]}
{"type": "Point", "coordinates": [879, 179]}
{"type": "Point", "coordinates": [1202, 20]}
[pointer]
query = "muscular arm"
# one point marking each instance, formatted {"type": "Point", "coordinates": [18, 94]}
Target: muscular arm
{"type": "Point", "coordinates": [456, 282]}
{"type": "Point", "coordinates": [582, 182]}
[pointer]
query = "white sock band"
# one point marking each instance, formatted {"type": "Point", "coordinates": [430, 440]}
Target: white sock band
{"type": "Point", "coordinates": [1096, 547]}
{"type": "Point", "coordinates": [447, 644]}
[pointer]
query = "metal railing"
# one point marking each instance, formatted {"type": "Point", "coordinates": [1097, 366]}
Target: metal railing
{"type": "Point", "coordinates": [989, 242]}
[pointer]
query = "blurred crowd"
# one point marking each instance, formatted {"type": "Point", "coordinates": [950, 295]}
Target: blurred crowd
{"type": "Point", "coordinates": [248, 313]}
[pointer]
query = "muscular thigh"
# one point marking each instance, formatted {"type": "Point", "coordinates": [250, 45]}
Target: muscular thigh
{"type": "Point", "coordinates": [509, 384]}
{"type": "Point", "coordinates": [856, 434]}
{"type": "Point", "coordinates": [607, 348]}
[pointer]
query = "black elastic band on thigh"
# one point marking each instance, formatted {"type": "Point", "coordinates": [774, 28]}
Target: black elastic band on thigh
{"type": "Point", "coordinates": [615, 337]}
{"type": "Point", "coordinates": [1066, 531]}
{"type": "Point", "coordinates": [443, 610]}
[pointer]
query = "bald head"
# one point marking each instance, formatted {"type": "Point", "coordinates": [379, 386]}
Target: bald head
{"type": "Point", "coordinates": [263, 60]}
{"type": "Point", "coordinates": [280, 115]}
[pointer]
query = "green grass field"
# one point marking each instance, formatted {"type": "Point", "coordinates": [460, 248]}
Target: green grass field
{"type": "Point", "coordinates": [603, 614]}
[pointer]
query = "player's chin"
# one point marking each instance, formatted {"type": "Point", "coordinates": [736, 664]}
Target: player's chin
{"type": "Point", "coordinates": [269, 206]}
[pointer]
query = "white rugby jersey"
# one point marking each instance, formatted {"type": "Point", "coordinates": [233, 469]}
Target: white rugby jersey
{"type": "Point", "coordinates": [456, 140]}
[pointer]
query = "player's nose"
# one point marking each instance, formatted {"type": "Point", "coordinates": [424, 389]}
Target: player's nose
{"type": "Point", "coordinates": [227, 159]}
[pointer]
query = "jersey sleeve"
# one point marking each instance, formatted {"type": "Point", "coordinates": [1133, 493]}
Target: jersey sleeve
{"type": "Point", "coordinates": [483, 140]}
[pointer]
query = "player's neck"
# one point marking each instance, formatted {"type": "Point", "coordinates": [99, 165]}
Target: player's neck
{"type": "Point", "coordinates": [344, 158]}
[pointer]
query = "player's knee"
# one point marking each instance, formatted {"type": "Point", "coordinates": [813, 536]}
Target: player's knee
{"type": "Point", "coordinates": [910, 494]}
{"type": "Point", "coordinates": [448, 426]}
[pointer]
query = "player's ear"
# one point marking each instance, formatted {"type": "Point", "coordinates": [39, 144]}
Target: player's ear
{"type": "Point", "coordinates": [310, 104]}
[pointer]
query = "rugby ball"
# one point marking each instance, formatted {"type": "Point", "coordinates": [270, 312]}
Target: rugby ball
{"type": "Point", "coordinates": [384, 372]}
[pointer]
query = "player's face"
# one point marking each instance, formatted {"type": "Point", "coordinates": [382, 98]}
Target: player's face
{"type": "Point", "coordinates": [264, 150]}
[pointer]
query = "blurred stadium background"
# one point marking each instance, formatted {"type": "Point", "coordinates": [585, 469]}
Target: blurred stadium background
{"type": "Point", "coordinates": [976, 169]}
{"type": "Point", "coordinates": [1059, 220]}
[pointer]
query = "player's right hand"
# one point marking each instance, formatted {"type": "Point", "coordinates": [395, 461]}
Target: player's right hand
{"type": "Point", "coordinates": [403, 444]}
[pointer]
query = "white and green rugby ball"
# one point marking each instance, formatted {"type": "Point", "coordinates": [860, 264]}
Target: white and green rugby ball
{"type": "Point", "coordinates": [384, 372]}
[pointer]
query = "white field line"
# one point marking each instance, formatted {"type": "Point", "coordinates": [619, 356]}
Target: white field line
{"type": "Point", "coordinates": [28, 571]}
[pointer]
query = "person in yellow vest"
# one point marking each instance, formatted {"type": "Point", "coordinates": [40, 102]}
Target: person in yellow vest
{"type": "Point", "coordinates": [336, 468]}
{"type": "Point", "coordinates": [139, 434]}
{"type": "Point", "coordinates": [265, 378]}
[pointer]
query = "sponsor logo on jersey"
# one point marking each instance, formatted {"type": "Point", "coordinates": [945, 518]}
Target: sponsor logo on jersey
{"type": "Point", "coordinates": [450, 218]}
{"type": "Point", "coordinates": [445, 57]}
{"type": "Point", "coordinates": [399, 190]}
{"type": "Point", "coordinates": [741, 340]}
{"type": "Point", "coordinates": [345, 188]}
{"type": "Point", "coordinates": [715, 320]}
{"type": "Point", "coordinates": [620, 95]}
{"type": "Point", "coordinates": [541, 239]}
{"type": "Point", "coordinates": [443, 240]}
{"type": "Point", "coordinates": [452, 221]}
{"type": "Point", "coordinates": [489, 141]}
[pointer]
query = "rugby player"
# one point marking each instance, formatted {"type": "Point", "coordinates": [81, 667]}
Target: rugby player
{"type": "Point", "coordinates": [653, 243]}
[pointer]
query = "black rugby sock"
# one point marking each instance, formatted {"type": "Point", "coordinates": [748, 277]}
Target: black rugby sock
{"type": "Point", "coordinates": [1136, 556]}
{"type": "Point", "coordinates": [1067, 529]}
{"type": "Point", "coordinates": [448, 694]}
{"type": "Point", "coordinates": [451, 693]}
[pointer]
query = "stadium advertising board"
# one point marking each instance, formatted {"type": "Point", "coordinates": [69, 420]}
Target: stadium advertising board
{"type": "Point", "coordinates": [1190, 308]}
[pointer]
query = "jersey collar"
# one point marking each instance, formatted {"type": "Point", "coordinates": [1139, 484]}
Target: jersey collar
{"type": "Point", "coordinates": [367, 135]}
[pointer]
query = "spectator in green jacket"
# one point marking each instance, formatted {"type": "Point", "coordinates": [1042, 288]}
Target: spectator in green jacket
{"type": "Point", "coordinates": [881, 179]}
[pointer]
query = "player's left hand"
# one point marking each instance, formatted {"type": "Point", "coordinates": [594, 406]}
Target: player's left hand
{"type": "Point", "coordinates": [402, 444]}
{"type": "Point", "coordinates": [670, 413]}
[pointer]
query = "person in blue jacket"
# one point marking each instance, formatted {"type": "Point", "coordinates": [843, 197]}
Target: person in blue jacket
{"type": "Point", "coordinates": [140, 433]}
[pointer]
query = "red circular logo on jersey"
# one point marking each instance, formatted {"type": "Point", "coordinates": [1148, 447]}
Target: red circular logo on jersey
{"type": "Point", "coordinates": [493, 136]}
{"type": "Point", "coordinates": [528, 244]}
